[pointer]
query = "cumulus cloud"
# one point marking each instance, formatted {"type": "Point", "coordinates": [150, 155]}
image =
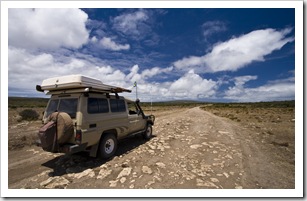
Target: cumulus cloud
{"type": "Point", "coordinates": [134, 74]}
{"type": "Point", "coordinates": [47, 28]}
{"type": "Point", "coordinates": [108, 43]}
{"type": "Point", "coordinates": [282, 89]}
{"type": "Point", "coordinates": [237, 52]}
{"type": "Point", "coordinates": [94, 39]}
{"type": "Point", "coordinates": [148, 73]}
{"type": "Point", "coordinates": [212, 27]}
{"type": "Point", "coordinates": [27, 69]}
{"type": "Point", "coordinates": [241, 80]}
{"type": "Point", "coordinates": [191, 85]}
{"type": "Point", "coordinates": [37, 38]}
{"type": "Point", "coordinates": [132, 24]}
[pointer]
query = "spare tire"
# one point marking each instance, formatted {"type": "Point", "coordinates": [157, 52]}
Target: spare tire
{"type": "Point", "coordinates": [65, 129]}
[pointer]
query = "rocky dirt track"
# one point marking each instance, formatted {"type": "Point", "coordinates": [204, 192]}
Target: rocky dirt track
{"type": "Point", "coordinates": [191, 148]}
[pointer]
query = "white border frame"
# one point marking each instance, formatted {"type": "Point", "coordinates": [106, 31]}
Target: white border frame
{"type": "Point", "coordinates": [297, 192]}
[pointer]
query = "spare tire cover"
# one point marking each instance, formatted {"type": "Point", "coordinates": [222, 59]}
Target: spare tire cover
{"type": "Point", "coordinates": [65, 127]}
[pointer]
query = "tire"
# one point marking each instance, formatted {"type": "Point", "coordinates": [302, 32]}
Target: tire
{"type": "Point", "coordinates": [148, 133]}
{"type": "Point", "coordinates": [65, 128]}
{"type": "Point", "coordinates": [107, 146]}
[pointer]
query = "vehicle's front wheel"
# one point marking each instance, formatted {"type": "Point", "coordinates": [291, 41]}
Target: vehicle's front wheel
{"type": "Point", "coordinates": [148, 133]}
{"type": "Point", "coordinates": [108, 146]}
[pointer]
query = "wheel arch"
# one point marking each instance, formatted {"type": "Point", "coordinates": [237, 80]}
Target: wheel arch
{"type": "Point", "coordinates": [111, 131]}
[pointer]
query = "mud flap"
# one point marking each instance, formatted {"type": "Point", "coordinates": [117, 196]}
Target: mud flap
{"type": "Point", "coordinates": [94, 149]}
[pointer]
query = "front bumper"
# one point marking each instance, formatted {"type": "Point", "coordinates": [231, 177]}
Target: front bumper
{"type": "Point", "coordinates": [151, 119]}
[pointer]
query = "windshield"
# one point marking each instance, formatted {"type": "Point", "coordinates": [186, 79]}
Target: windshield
{"type": "Point", "coordinates": [68, 105]}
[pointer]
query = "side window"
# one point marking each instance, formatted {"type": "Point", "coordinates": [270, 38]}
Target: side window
{"type": "Point", "coordinates": [117, 105]}
{"type": "Point", "coordinates": [113, 105]}
{"type": "Point", "coordinates": [103, 105]}
{"type": "Point", "coordinates": [121, 105]}
{"type": "Point", "coordinates": [92, 106]}
{"type": "Point", "coordinates": [132, 109]}
{"type": "Point", "coordinates": [97, 105]}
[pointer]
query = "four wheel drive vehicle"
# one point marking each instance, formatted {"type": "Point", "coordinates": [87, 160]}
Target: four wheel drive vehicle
{"type": "Point", "coordinates": [83, 114]}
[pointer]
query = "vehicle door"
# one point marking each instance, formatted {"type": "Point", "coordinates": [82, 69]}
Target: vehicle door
{"type": "Point", "coordinates": [135, 118]}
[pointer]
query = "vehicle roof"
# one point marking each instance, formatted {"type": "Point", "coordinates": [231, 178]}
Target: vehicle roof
{"type": "Point", "coordinates": [77, 82]}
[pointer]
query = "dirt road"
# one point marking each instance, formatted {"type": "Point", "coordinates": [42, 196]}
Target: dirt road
{"type": "Point", "coordinates": [191, 148]}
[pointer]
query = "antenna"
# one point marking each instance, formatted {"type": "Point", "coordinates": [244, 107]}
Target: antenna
{"type": "Point", "coordinates": [150, 100]}
{"type": "Point", "coordinates": [136, 90]}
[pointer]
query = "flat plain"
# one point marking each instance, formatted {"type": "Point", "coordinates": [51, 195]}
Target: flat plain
{"type": "Point", "coordinates": [195, 145]}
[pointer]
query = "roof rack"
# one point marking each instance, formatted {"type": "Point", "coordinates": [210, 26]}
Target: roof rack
{"type": "Point", "coordinates": [77, 83]}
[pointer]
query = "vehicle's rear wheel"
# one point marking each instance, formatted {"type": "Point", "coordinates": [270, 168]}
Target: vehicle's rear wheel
{"type": "Point", "coordinates": [148, 133]}
{"type": "Point", "coordinates": [108, 146]}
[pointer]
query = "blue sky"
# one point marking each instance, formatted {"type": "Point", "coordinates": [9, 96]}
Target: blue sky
{"type": "Point", "coordinates": [205, 54]}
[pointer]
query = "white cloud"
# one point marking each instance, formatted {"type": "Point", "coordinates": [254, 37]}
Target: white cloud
{"type": "Point", "coordinates": [191, 85]}
{"type": "Point", "coordinates": [237, 52]}
{"type": "Point", "coordinates": [47, 28]}
{"type": "Point", "coordinates": [94, 39]}
{"type": "Point", "coordinates": [131, 23]}
{"type": "Point", "coordinates": [212, 27]}
{"type": "Point", "coordinates": [27, 69]}
{"type": "Point", "coordinates": [148, 73]}
{"type": "Point", "coordinates": [108, 43]}
{"type": "Point", "coordinates": [241, 80]}
{"type": "Point", "coordinates": [134, 76]}
{"type": "Point", "coordinates": [283, 89]}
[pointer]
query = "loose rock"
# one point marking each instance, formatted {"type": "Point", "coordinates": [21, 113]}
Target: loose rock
{"type": "Point", "coordinates": [103, 173]}
{"type": "Point", "coordinates": [161, 165]}
{"type": "Point", "coordinates": [113, 183]}
{"type": "Point", "coordinates": [55, 182]}
{"type": "Point", "coordinates": [146, 170]}
{"type": "Point", "coordinates": [125, 172]}
{"type": "Point", "coordinates": [122, 180]}
{"type": "Point", "coordinates": [208, 184]}
{"type": "Point", "coordinates": [195, 146]}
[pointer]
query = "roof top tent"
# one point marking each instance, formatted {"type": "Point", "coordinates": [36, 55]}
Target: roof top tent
{"type": "Point", "coordinates": [77, 83]}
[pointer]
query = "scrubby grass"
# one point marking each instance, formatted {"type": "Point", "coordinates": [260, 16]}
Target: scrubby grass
{"type": "Point", "coordinates": [272, 104]}
{"type": "Point", "coordinates": [29, 115]}
{"type": "Point", "coordinates": [20, 102]}
{"type": "Point", "coordinates": [253, 111]}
